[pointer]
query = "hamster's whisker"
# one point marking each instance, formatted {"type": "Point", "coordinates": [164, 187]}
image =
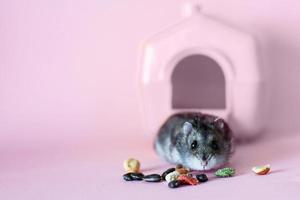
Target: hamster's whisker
{"type": "Point", "coordinates": [209, 157]}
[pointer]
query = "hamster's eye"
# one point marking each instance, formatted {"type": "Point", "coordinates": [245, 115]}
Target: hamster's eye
{"type": "Point", "coordinates": [194, 145]}
{"type": "Point", "coordinates": [214, 145]}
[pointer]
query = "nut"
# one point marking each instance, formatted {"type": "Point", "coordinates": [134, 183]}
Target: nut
{"type": "Point", "coordinates": [131, 165]}
{"type": "Point", "coordinates": [182, 170]}
{"type": "Point", "coordinates": [261, 170]}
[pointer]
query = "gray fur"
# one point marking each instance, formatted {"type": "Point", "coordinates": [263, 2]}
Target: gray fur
{"type": "Point", "coordinates": [175, 141]}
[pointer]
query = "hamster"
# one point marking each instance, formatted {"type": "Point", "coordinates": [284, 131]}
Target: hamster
{"type": "Point", "coordinates": [195, 140]}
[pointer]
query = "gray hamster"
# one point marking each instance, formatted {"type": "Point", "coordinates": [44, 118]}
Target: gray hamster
{"type": "Point", "coordinates": [195, 140]}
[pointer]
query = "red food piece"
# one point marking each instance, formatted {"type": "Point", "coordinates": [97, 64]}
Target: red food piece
{"type": "Point", "coordinates": [187, 179]}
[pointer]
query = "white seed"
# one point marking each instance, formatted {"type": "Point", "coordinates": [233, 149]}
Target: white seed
{"type": "Point", "coordinates": [172, 176]}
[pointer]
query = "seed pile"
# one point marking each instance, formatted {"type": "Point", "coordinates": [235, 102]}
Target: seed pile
{"type": "Point", "coordinates": [178, 176]}
{"type": "Point", "coordinates": [175, 177]}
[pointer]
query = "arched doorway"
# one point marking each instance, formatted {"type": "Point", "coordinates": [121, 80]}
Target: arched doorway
{"type": "Point", "coordinates": [198, 82]}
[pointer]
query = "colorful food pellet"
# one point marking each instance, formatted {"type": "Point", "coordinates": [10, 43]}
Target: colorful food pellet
{"type": "Point", "coordinates": [163, 176]}
{"type": "Point", "coordinates": [152, 178]}
{"type": "Point", "coordinates": [175, 184]}
{"type": "Point", "coordinates": [132, 165]}
{"type": "Point", "coordinates": [187, 179]}
{"type": "Point", "coordinates": [172, 176]}
{"type": "Point", "coordinates": [225, 172]}
{"type": "Point", "coordinates": [261, 170]}
{"type": "Point", "coordinates": [202, 178]}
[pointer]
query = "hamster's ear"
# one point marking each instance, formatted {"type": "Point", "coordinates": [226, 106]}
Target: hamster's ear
{"type": "Point", "coordinates": [187, 127]}
{"type": "Point", "coordinates": [219, 123]}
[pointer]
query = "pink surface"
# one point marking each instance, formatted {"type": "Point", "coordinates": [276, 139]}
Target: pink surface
{"type": "Point", "coordinates": [68, 106]}
{"type": "Point", "coordinates": [94, 171]}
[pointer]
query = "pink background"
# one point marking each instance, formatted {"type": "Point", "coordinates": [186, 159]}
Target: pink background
{"type": "Point", "coordinates": [68, 105]}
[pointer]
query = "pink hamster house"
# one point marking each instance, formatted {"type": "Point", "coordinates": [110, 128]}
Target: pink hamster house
{"type": "Point", "coordinates": [201, 65]}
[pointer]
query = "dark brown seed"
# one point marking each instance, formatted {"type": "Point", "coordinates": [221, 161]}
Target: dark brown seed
{"type": "Point", "coordinates": [163, 176]}
{"type": "Point", "coordinates": [137, 176]}
{"type": "Point", "coordinates": [202, 178]}
{"type": "Point", "coordinates": [152, 178]}
{"type": "Point", "coordinates": [128, 177]}
{"type": "Point", "coordinates": [178, 166]}
{"type": "Point", "coordinates": [175, 184]}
